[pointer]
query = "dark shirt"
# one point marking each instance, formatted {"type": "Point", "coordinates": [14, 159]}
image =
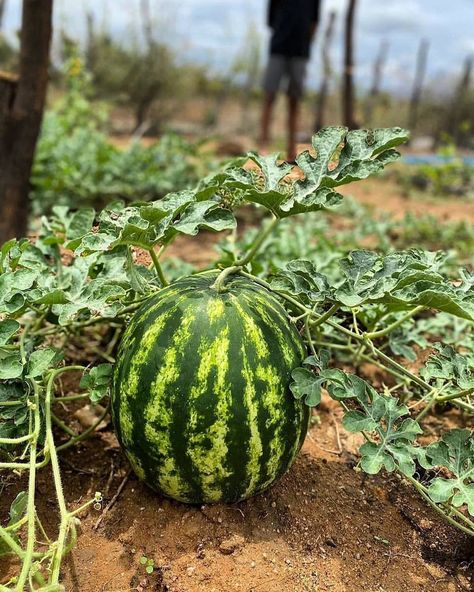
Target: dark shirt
{"type": "Point", "coordinates": [292, 22]}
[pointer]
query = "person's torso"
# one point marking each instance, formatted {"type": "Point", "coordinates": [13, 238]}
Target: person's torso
{"type": "Point", "coordinates": [292, 25]}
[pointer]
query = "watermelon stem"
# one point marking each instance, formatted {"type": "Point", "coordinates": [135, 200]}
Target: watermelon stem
{"type": "Point", "coordinates": [158, 267]}
{"type": "Point", "coordinates": [240, 263]}
{"type": "Point", "coordinates": [222, 277]}
{"type": "Point", "coordinates": [261, 237]}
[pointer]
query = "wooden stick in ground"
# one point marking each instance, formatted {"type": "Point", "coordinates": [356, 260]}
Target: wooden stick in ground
{"type": "Point", "coordinates": [348, 93]}
{"type": "Point", "coordinates": [114, 499]}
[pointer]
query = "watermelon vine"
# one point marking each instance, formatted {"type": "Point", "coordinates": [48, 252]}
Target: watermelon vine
{"type": "Point", "coordinates": [80, 278]}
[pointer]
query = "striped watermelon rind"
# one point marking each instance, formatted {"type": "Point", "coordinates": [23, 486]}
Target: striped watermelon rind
{"type": "Point", "coordinates": [200, 402]}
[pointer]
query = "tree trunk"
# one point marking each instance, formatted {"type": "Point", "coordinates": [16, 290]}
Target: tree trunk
{"type": "Point", "coordinates": [376, 82]}
{"type": "Point", "coordinates": [148, 91]}
{"type": "Point", "coordinates": [327, 71]}
{"type": "Point", "coordinates": [348, 107]}
{"type": "Point", "coordinates": [147, 23]}
{"type": "Point", "coordinates": [21, 110]}
{"type": "Point", "coordinates": [421, 60]}
{"type": "Point", "coordinates": [457, 107]}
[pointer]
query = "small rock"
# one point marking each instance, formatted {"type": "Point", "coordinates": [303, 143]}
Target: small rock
{"type": "Point", "coordinates": [231, 545]}
{"type": "Point", "coordinates": [426, 524]}
{"type": "Point", "coordinates": [88, 416]}
{"type": "Point", "coordinates": [190, 570]}
{"type": "Point", "coordinates": [253, 564]}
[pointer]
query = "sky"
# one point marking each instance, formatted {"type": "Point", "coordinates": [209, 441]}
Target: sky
{"type": "Point", "coordinates": [214, 32]}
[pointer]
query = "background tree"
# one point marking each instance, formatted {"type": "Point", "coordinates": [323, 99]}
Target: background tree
{"type": "Point", "coordinates": [132, 74]}
{"type": "Point", "coordinates": [373, 96]}
{"type": "Point", "coordinates": [459, 124]}
{"type": "Point", "coordinates": [22, 101]}
{"type": "Point", "coordinates": [348, 99]}
{"type": "Point", "coordinates": [420, 71]}
{"type": "Point", "coordinates": [327, 72]}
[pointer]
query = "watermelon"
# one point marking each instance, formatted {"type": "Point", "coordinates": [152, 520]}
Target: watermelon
{"type": "Point", "coordinates": [200, 401]}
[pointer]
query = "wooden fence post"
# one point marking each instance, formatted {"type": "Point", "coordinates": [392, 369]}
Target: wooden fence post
{"type": "Point", "coordinates": [348, 98]}
{"type": "Point", "coordinates": [420, 71]}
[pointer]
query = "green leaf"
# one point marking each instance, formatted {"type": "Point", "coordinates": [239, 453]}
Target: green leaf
{"type": "Point", "coordinates": [380, 415]}
{"type": "Point", "coordinates": [400, 339]}
{"type": "Point", "coordinates": [365, 152]}
{"type": "Point", "coordinates": [80, 223]}
{"type": "Point", "coordinates": [52, 297]}
{"type": "Point", "coordinates": [92, 242]}
{"type": "Point", "coordinates": [374, 457]}
{"type": "Point", "coordinates": [300, 278]}
{"type": "Point", "coordinates": [358, 421]}
{"type": "Point", "coordinates": [343, 156]}
{"type": "Point", "coordinates": [205, 214]}
{"type": "Point", "coordinates": [18, 507]}
{"type": "Point", "coordinates": [339, 157]}
{"type": "Point", "coordinates": [97, 381]}
{"type": "Point", "coordinates": [306, 386]}
{"type": "Point", "coordinates": [408, 278]}
{"type": "Point", "coordinates": [17, 511]}
{"type": "Point", "coordinates": [272, 171]}
{"type": "Point", "coordinates": [455, 452]}
{"type": "Point", "coordinates": [343, 386]}
{"type": "Point", "coordinates": [447, 366]}
{"type": "Point", "coordinates": [137, 281]}
{"type": "Point", "coordinates": [42, 360]}
{"type": "Point", "coordinates": [8, 328]}
{"type": "Point", "coordinates": [100, 297]}
{"type": "Point", "coordinates": [9, 391]}
{"type": "Point", "coordinates": [10, 365]}
{"type": "Point", "coordinates": [403, 279]}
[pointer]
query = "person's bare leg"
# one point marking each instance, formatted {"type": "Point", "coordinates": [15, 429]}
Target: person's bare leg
{"type": "Point", "coordinates": [265, 122]}
{"type": "Point", "coordinates": [293, 120]}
